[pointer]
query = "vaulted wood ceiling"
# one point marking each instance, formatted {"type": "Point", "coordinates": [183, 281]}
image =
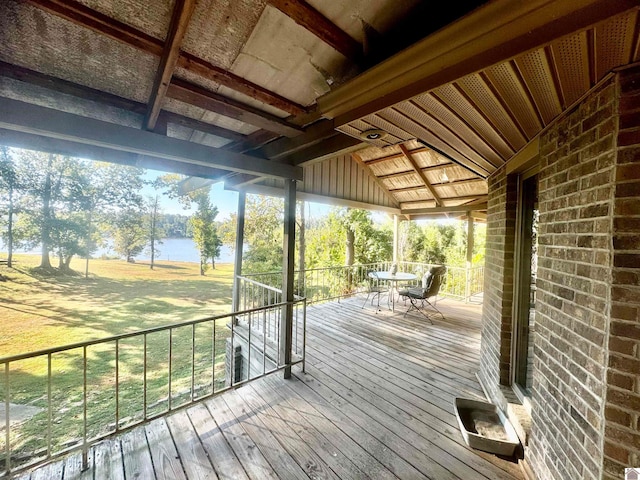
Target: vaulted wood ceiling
{"type": "Point", "coordinates": [270, 85]}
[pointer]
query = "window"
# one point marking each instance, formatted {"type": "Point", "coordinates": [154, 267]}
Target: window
{"type": "Point", "coordinates": [526, 263]}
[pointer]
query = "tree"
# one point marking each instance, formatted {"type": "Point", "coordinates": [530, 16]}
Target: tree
{"type": "Point", "coordinates": [202, 223]}
{"type": "Point", "coordinates": [154, 230]}
{"type": "Point", "coordinates": [130, 236]}
{"type": "Point", "coordinates": [204, 229]}
{"type": "Point", "coordinates": [9, 189]}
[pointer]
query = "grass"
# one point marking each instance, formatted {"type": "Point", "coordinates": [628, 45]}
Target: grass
{"type": "Point", "coordinates": [40, 312]}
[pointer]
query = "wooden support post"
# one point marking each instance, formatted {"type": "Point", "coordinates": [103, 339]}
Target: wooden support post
{"type": "Point", "coordinates": [288, 263]}
{"type": "Point", "coordinates": [467, 293]}
{"type": "Point", "coordinates": [237, 266]}
{"type": "Point", "coordinates": [396, 237]}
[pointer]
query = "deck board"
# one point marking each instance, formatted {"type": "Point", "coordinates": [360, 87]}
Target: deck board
{"type": "Point", "coordinates": [376, 401]}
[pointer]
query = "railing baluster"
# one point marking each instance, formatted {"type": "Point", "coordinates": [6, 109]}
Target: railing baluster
{"type": "Point", "coordinates": [144, 378]}
{"type": "Point", "coordinates": [117, 385]}
{"type": "Point", "coordinates": [193, 361]}
{"type": "Point", "coordinates": [85, 448]}
{"type": "Point", "coordinates": [49, 406]}
{"type": "Point", "coordinates": [170, 367]}
{"type": "Point", "coordinates": [7, 424]}
{"type": "Point", "coordinates": [213, 360]}
{"type": "Point", "coordinates": [233, 356]}
{"type": "Point", "coordinates": [249, 352]}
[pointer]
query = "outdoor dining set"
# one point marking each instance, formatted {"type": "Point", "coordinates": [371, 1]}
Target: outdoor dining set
{"type": "Point", "coordinates": [421, 296]}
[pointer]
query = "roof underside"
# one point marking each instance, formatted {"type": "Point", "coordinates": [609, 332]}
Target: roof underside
{"type": "Point", "coordinates": [266, 86]}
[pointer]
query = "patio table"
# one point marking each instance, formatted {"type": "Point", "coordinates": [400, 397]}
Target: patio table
{"type": "Point", "coordinates": [394, 279]}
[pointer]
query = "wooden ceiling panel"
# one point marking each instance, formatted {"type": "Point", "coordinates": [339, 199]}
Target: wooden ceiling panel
{"type": "Point", "coordinates": [509, 86]}
{"type": "Point", "coordinates": [413, 117]}
{"type": "Point", "coordinates": [537, 74]}
{"type": "Point", "coordinates": [571, 55]}
{"type": "Point", "coordinates": [394, 165]}
{"type": "Point", "coordinates": [483, 99]}
{"type": "Point", "coordinates": [614, 42]}
{"type": "Point", "coordinates": [460, 104]}
{"type": "Point", "coordinates": [379, 121]}
{"type": "Point", "coordinates": [447, 116]}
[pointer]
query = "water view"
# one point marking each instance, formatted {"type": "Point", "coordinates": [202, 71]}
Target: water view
{"type": "Point", "coordinates": [170, 250]}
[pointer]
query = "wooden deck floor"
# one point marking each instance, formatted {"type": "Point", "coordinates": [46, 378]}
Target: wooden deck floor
{"type": "Point", "coordinates": [376, 401]}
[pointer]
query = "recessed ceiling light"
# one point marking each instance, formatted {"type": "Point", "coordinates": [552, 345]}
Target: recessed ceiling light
{"type": "Point", "coordinates": [374, 134]}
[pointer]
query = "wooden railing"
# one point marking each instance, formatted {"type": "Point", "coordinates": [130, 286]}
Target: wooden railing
{"type": "Point", "coordinates": [330, 283]}
{"type": "Point", "coordinates": [91, 390]}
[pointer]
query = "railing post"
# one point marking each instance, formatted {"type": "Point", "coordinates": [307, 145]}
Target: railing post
{"type": "Point", "coordinates": [467, 290]}
{"type": "Point", "coordinates": [237, 266]}
{"type": "Point", "coordinates": [288, 260]}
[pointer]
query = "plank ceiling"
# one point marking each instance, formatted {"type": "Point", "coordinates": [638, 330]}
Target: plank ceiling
{"type": "Point", "coordinates": [299, 83]}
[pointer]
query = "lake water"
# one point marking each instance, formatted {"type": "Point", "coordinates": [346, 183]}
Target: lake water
{"type": "Point", "coordinates": [171, 249]}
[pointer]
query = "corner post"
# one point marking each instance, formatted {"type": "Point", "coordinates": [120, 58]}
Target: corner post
{"type": "Point", "coordinates": [237, 266]}
{"type": "Point", "coordinates": [288, 264]}
{"type": "Point", "coordinates": [396, 237]}
{"type": "Point", "coordinates": [467, 293]}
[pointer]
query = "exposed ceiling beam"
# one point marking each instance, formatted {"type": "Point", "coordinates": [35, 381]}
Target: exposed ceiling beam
{"type": "Point", "coordinates": [412, 171]}
{"type": "Point", "coordinates": [201, 126]}
{"type": "Point", "coordinates": [312, 20]}
{"type": "Point", "coordinates": [58, 146]}
{"type": "Point", "coordinates": [496, 32]}
{"type": "Point", "coordinates": [24, 117]}
{"type": "Point", "coordinates": [338, 144]}
{"type": "Point", "coordinates": [32, 77]}
{"type": "Point", "coordinates": [437, 210]}
{"type": "Point", "coordinates": [382, 186]}
{"type": "Point", "coordinates": [453, 183]}
{"type": "Point", "coordinates": [253, 141]}
{"type": "Point", "coordinates": [313, 134]}
{"type": "Point", "coordinates": [87, 93]}
{"type": "Point", "coordinates": [421, 174]}
{"type": "Point", "coordinates": [393, 156]}
{"type": "Point", "coordinates": [475, 200]}
{"type": "Point", "coordinates": [182, 11]}
{"type": "Point", "coordinates": [195, 95]}
{"type": "Point", "coordinates": [79, 14]}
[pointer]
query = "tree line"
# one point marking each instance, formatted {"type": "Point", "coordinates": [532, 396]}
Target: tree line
{"type": "Point", "coordinates": [345, 237]}
{"type": "Point", "coordinates": [69, 207]}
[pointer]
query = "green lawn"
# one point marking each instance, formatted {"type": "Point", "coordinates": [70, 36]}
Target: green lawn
{"type": "Point", "coordinates": [40, 312]}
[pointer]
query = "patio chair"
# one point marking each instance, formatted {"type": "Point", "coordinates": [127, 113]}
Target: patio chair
{"type": "Point", "coordinates": [375, 289]}
{"type": "Point", "coordinates": [430, 288]}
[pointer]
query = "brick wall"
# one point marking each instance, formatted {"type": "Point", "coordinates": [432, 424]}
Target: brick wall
{"type": "Point", "coordinates": [498, 283]}
{"type": "Point", "coordinates": [622, 432]}
{"type": "Point", "coordinates": [576, 186]}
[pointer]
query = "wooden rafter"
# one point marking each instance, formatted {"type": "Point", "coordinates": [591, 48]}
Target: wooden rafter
{"type": "Point", "coordinates": [393, 156]}
{"type": "Point", "coordinates": [438, 210]}
{"type": "Point", "coordinates": [312, 20]}
{"type": "Point", "coordinates": [87, 93]}
{"type": "Point", "coordinates": [453, 183]}
{"type": "Point", "coordinates": [421, 174]}
{"type": "Point", "coordinates": [86, 17]}
{"type": "Point", "coordinates": [470, 201]}
{"type": "Point", "coordinates": [182, 11]}
{"type": "Point", "coordinates": [412, 171]}
{"type": "Point", "coordinates": [195, 95]}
